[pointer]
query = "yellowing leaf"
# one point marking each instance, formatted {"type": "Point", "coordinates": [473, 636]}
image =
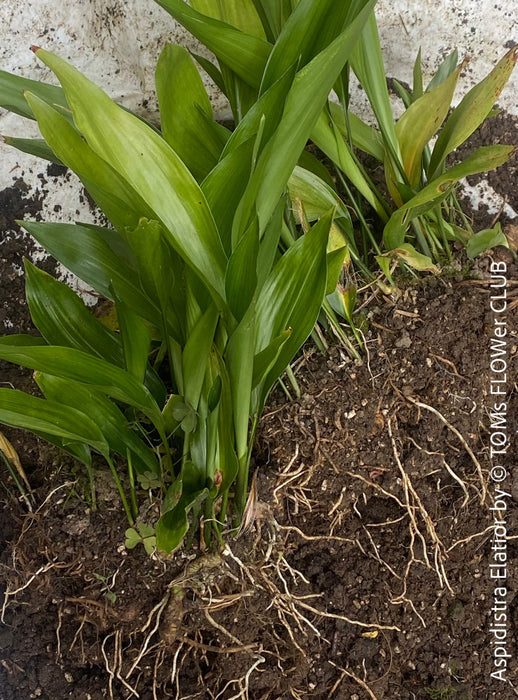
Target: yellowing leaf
{"type": "Point", "coordinates": [420, 122]}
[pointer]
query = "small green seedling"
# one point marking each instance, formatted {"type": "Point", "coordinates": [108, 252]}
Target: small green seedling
{"type": "Point", "coordinates": [107, 592]}
{"type": "Point", "coordinates": [141, 533]}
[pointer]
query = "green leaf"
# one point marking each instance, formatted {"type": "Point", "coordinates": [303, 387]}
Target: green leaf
{"type": "Point", "coordinates": [159, 268]}
{"type": "Point", "coordinates": [238, 13]}
{"type": "Point", "coordinates": [265, 360]}
{"type": "Point", "coordinates": [316, 196]}
{"type": "Point", "coordinates": [225, 185]}
{"type": "Point", "coordinates": [136, 339]}
{"type": "Point", "coordinates": [35, 147]}
{"type": "Point", "coordinates": [244, 54]}
{"type": "Point", "coordinates": [273, 14]}
{"type": "Point", "coordinates": [84, 251]}
{"type": "Point", "coordinates": [212, 71]}
{"type": "Point", "coordinates": [119, 201]}
{"type": "Point", "coordinates": [418, 87]}
{"type": "Point", "coordinates": [335, 263]}
{"type": "Point", "coordinates": [196, 353]}
{"type": "Point", "coordinates": [334, 141]}
{"type": "Point", "coordinates": [363, 136]}
{"type": "Point", "coordinates": [241, 279]}
{"type": "Point", "coordinates": [291, 299]}
{"type": "Point", "coordinates": [483, 159]}
{"type": "Point", "coordinates": [239, 360]}
{"type": "Point", "coordinates": [79, 366]}
{"type": "Point", "coordinates": [420, 122]}
{"type": "Point", "coordinates": [367, 63]}
{"type": "Point", "coordinates": [12, 98]}
{"type": "Point", "coordinates": [298, 40]}
{"type": "Point", "coordinates": [174, 524]}
{"type": "Point", "coordinates": [151, 167]}
{"type": "Point", "coordinates": [472, 111]}
{"type": "Point", "coordinates": [108, 417]}
{"type": "Point", "coordinates": [445, 70]}
{"type": "Point", "coordinates": [486, 239]}
{"type": "Point", "coordinates": [62, 318]}
{"type": "Point", "coordinates": [21, 410]}
{"type": "Point", "coordinates": [141, 533]}
{"type": "Point", "coordinates": [309, 161]}
{"type": "Point", "coordinates": [186, 112]}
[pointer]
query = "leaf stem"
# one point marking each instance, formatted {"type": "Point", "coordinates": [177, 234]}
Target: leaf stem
{"type": "Point", "coordinates": [124, 500]}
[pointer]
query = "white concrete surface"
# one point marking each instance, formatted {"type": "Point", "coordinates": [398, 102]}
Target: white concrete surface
{"type": "Point", "coordinates": [117, 43]}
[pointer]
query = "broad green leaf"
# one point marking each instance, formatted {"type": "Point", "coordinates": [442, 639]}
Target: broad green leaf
{"type": "Point", "coordinates": [265, 360]}
{"type": "Point", "coordinates": [136, 340]}
{"type": "Point", "coordinates": [174, 524]}
{"type": "Point", "coordinates": [301, 32]}
{"type": "Point", "coordinates": [244, 54]}
{"type": "Point", "coordinates": [284, 291]}
{"type": "Point", "coordinates": [35, 147]}
{"type": "Point", "coordinates": [108, 417]}
{"type": "Point", "coordinates": [240, 14]}
{"type": "Point", "coordinates": [225, 185]}
{"type": "Point", "coordinates": [239, 360]}
{"type": "Point", "coordinates": [226, 458]}
{"type": "Point", "coordinates": [79, 366]}
{"type": "Point", "coordinates": [21, 410]}
{"type": "Point", "coordinates": [482, 160]}
{"type": "Point", "coordinates": [186, 112]}
{"type": "Point", "coordinates": [420, 122]}
{"type": "Point", "coordinates": [84, 251]}
{"type": "Point", "coordinates": [196, 353]}
{"type": "Point", "coordinates": [161, 272]}
{"type": "Point", "coordinates": [62, 318]}
{"type": "Point", "coordinates": [273, 14]}
{"type": "Point", "coordinates": [241, 279]}
{"type": "Point", "coordinates": [472, 111]}
{"type": "Point", "coordinates": [269, 245]}
{"type": "Point", "coordinates": [151, 167]}
{"type": "Point", "coordinates": [115, 197]}
{"type": "Point", "coordinates": [316, 196]}
{"type": "Point", "coordinates": [291, 299]}
{"type": "Point", "coordinates": [12, 98]}
{"type": "Point", "coordinates": [484, 240]}
{"type": "Point", "coordinates": [265, 114]}
{"type": "Point", "coordinates": [239, 94]}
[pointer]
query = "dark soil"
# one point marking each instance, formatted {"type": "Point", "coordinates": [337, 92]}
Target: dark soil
{"type": "Point", "coordinates": [365, 572]}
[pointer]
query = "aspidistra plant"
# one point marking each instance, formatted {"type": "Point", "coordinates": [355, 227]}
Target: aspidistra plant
{"type": "Point", "coordinates": [423, 215]}
{"type": "Point", "coordinates": [209, 312]}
